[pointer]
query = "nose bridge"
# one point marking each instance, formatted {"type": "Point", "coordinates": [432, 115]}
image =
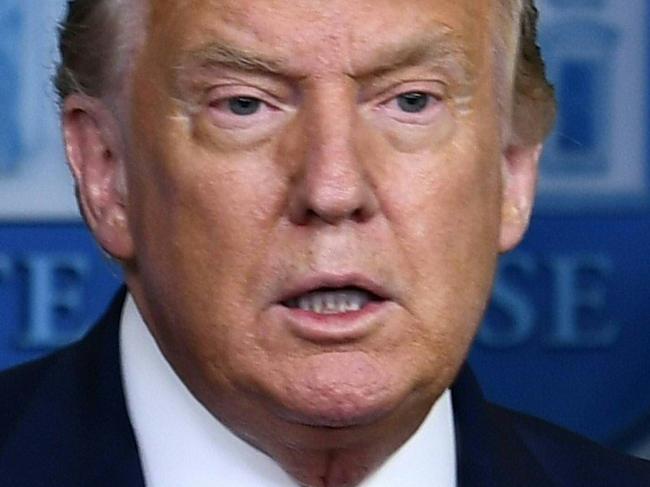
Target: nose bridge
{"type": "Point", "coordinates": [329, 127]}
{"type": "Point", "coordinates": [332, 182]}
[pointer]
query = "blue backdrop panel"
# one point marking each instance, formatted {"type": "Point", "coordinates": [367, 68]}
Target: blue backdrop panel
{"type": "Point", "coordinates": [567, 335]}
{"type": "Point", "coordinates": [54, 283]}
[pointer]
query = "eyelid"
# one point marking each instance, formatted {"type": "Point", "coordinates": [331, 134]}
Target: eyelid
{"type": "Point", "coordinates": [214, 99]}
{"type": "Point", "coordinates": [384, 105]}
{"type": "Point", "coordinates": [223, 92]}
{"type": "Point", "coordinates": [436, 89]}
{"type": "Point", "coordinates": [217, 113]}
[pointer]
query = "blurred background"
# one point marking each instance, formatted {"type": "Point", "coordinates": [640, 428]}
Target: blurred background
{"type": "Point", "coordinates": [567, 336]}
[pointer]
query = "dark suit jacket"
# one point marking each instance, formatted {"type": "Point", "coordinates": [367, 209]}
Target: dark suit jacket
{"type": "Point", "coordinates": [63, 422]}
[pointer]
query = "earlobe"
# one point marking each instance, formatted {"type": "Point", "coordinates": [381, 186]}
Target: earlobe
{"type": "Point", "coordinates": [96, 157]}
{"type": "Point", "coordinates": [520, 167]}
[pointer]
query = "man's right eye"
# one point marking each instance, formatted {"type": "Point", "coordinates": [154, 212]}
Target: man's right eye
{"type": "Point", "coordinates": [240, 111]}
{"type": "Point", "coordinates": [244, 105]}
{"type": "Point", "coordinates": [414, 101]}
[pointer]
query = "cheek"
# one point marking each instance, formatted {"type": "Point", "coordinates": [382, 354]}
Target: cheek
{"type": "Point", "coordinates": [213, 196]}
{"type": "Point", "coordinates": [205, 230]}
{"type": "Point", "coordinates": [210, 237]}
{"type": "Point", "coordinates": [445, 215]}
{"type": "Point", "coordinates": [447, 199]}
{"type": "Point", "coordinates": [203, 223]}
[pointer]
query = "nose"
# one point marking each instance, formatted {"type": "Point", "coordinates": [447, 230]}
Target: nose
{"type": "Point", "coordinates": [331, 184]}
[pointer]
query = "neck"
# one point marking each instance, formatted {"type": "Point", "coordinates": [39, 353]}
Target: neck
{"type": "Point", "coordinates": [337, 467]}
{"type": "Point", "coordinates": [328, 457]}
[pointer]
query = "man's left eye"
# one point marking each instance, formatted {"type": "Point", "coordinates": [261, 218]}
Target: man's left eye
{"type": "Point", "coordinates": [413, 107]}
{"type": "Point", "coordinates": [244, 105]}
{"type": "Point", "coordinates": [413, 102]}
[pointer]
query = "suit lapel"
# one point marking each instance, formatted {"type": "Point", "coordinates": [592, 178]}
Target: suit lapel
{"type": "Point", "coordinates": [489, 451]}
{"type": "Point", "coordinates": [75, 430]}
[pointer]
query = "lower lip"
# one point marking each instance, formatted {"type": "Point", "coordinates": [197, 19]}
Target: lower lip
{"type": "Point", "coordinates": [335, 327]}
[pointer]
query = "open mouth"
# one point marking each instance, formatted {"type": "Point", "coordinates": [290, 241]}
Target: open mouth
{"type": "Point", "coordinates": [327, 300]}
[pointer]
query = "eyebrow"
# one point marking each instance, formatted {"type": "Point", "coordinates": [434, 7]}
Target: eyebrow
{"type": "Point", "coordinates": [221, 54]}
{"type": "Point", "coordinates": [438, 47]}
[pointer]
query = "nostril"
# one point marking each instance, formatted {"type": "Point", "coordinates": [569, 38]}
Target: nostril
{"type": "Point", "coordinates": [359, 215]}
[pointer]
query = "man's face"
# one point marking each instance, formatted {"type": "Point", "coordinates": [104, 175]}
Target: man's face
{"type": "Point", "coordinates": [315, 191]}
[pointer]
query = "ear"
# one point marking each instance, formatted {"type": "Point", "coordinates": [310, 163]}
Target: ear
{"type": "Point", "coordinates": [520, 167]}
{"type": "Point", "coordinates": [96, 156]}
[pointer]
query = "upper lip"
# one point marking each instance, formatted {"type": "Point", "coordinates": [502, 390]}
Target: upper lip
{"type": "Point", "coordinates": [306, 284]}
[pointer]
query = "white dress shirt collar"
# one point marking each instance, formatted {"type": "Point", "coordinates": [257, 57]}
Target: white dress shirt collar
{"type": "Point", "coordinates": [182, 444]}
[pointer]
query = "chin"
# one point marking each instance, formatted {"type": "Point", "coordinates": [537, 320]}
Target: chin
{"type": "Point", "coordinates": [338, 392]}
{"type": "Point", "coordinates": [344, 412]}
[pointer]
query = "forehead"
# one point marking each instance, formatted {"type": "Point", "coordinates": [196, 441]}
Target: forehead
{"type": "Point", "coordinates": [320, 34]}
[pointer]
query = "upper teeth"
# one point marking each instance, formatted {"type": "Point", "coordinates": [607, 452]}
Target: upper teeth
{"type": "Point", "coordinates": [331, 302]}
